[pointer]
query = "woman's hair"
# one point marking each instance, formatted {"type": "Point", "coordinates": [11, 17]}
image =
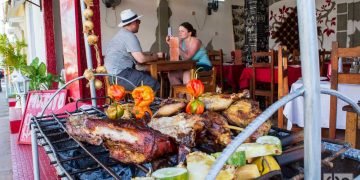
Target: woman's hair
{"type": "Point", "coordinates": [189, 27]}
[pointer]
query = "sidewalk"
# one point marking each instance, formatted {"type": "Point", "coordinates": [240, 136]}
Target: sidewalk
{"type": "Point", "coordinates": [5, 152]}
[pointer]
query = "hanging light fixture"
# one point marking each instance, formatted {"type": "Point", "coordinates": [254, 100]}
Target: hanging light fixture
{"type": "Point", "coordinates": [213, 5]}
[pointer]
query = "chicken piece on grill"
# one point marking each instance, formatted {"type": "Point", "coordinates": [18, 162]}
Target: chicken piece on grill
{"type": "Point", "coordinates": [220, 102]}
{"type": "Point", "coordinates": [183, 127]}
{"type": "Point", "coordinates": [216, 128]}
{"type": "Point", "coordinates": [77, 129]}
{"type": "Point", "coordinates": [169, 107]}
{"type": "Point", "coordinates": [243, 112]}
{"type": "Point", "coordinates": [190, 130]}
{"type": "Point", "coordinates": [130, 142]}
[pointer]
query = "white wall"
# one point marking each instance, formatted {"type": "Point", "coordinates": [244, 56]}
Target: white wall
{"type": "Point", "coordinates": [111, 18]}
{"type": "Point", "coordinates": [35, 32]}
{"type": "Point", "coordinates": [206, 25]}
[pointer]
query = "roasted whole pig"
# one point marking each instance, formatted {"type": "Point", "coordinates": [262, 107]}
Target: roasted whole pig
{"type": "Point", "coordinates": [243, 112]}
{"type": "Point", "coordinates": [130, 142]}
{"type": "Point", "coordinates": [127, 141]}
{"type": "Point", "coordinates": [183, 127]}
{"type": "Point", "coordinates": [220, 102]}
{"type": "Point", "coordinates": [77, 129]}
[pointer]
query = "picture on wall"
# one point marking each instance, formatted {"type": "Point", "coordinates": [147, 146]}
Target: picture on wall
{"type": "Point", "coordinates": [238, 19]}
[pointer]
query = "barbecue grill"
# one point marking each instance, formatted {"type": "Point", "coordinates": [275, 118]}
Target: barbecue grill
{"type": "Point", "coordinates": [73, 159]}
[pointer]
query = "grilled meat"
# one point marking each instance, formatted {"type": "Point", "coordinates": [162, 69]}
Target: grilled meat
{"type": "Point", "coordinates": [183, 127]}
{"type": "Point", "coordinates": [130, 142]}
{"type": "Point", "coordinates": [191, 130]}
{"type": "Point", "coordinates": [170, 107]}
{"type": "Point", "coordinates": [216, 128]}
{"type": "Point", "coordinates": [243, 112]}
{"type": "Point", "coordinates": [220, 102]}
{"type": "Point", "coordinates": [77, 129]}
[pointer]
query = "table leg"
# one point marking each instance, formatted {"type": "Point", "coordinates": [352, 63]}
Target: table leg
{"type": "Point", "coordinates": [351, 129]}
{"type": "Point", "coordinates": [154, 71]}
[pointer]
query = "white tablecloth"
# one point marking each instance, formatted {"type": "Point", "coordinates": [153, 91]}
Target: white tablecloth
{"type": "Point", "coordinates": [294, 110]}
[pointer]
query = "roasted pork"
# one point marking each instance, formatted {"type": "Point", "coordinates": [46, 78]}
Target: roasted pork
{"type": "Point", "coordinates": [130, 142]}
{"type": "Point", "coordinates": [77, 129]}
{"type": "Point", "coordinates": [127, 141]}
{"type": "Point", "coordinates": [183, 127]}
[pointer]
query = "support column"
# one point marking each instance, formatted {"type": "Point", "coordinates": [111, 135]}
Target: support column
{"type": "Point", "coordinates": [257, 25]}
{"type": "Point", "coordinates": [49, 36]}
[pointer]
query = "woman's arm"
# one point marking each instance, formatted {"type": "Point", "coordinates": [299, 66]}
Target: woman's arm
{"type": "Point", "coordinates": [194, 46]}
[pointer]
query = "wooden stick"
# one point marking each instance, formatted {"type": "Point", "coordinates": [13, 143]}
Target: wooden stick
{"type": "Point", "coordinates": [234, 127]}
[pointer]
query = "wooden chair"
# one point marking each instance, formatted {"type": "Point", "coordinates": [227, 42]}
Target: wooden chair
{"type": "Point", "coordinates": [217, 59]}
{"type": "Point", "coordinates": [283, 84]}
{"type": "Point", "coordinates": [340, 78]}
{"type": "Point", "coordinates": [352, 134]}
{"type": "Point", "coordinates": [322, 57]}
{"type": "Point", "coordinates": [295, 58]}
{"type": "Point", "coordinates": [208, 78]}
{"type": "Point", "coordinates": [238, 57]}
{"type": "Point", "coordinates": [268, 93]}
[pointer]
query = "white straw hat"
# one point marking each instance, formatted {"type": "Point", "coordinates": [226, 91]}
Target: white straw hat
{"type": "Point", "coordinates": [128, 16]}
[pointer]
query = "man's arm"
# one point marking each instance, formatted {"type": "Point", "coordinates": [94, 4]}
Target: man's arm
{"type": "Point", "coordinates": [140, 57]}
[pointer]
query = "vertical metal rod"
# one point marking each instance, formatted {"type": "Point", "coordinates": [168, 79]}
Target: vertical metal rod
{"type": "Point", "coordinates": [88, 58]}
{"type": "Point", "coordinates": [310, 73]}
{"type": "Point", "coordinates": [34, 152]}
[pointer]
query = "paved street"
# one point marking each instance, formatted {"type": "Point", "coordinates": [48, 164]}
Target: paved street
{"type": "Point", "coordinates": [5, 154]}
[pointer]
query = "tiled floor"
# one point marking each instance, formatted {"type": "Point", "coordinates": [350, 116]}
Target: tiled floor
{"type": "Point", "coordinates": [5, 153]}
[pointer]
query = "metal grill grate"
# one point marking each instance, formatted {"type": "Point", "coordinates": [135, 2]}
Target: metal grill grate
{"type": "Point", "coordinates": [76, 160]}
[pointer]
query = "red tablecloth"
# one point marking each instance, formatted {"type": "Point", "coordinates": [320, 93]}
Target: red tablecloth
{"type": "Point", "coordinates": [294, 73]}
{"type": "Point", "coordinates": [231, 74]}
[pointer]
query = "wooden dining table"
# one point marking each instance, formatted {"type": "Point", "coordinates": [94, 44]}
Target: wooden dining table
{"type": "Point", "coordinates": [156, 67]}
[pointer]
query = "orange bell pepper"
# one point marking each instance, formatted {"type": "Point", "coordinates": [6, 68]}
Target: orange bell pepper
{"type": "Point", "coordinates": [139, 111]}
{"type": "Point", "coordinates": [195, 87]}
{"type": "Point", "coordinates": [195, 107]}
{"type": "Point", "coordinates": [143, 96]}
{"type": "Point", "coordinates": [116, 92]}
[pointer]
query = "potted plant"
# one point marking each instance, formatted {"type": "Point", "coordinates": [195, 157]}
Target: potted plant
{"type": "Point", "coordinates": [15, 58]}
{"type": "Point", "coordinates": [40, 79]}
{"type": "Point", "coordinates": [12, 53]}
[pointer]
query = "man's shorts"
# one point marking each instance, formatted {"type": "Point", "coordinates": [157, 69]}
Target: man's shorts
{"type": "Point", "coordinates": [136, 77]}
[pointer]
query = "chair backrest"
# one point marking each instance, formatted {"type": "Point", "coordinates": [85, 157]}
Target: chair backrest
{"type": "Point", "coordinates": [270, 64]}
{"type": "Point", "coordinates": [340, 78]}
{"type": "Point", "coordinates": [283, 84]}
{"type": "Point", "coordinates": [208, 78]}
{"type": "Point", "coordinates": [217, 59]}
{"type": "Point", "coordinates": [322, 57]}
{"type": "Point", "coordinates": [295, 57]}
{"type": "Point", "coordinates": [238, 57]}
{"type": "Point", "coordinates": [216, 56]}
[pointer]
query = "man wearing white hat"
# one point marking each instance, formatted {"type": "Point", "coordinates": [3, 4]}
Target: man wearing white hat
{"type": "Point", "coordinates": [124, 52]}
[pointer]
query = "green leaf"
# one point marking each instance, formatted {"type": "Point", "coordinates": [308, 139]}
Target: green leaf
{"type": "Point", "coordinates": [35, 62]}
{"type": "Point", "coordinates": [42, 69]}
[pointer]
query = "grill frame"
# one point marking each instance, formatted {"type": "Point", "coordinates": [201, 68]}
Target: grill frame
{"type": "Point", "coordinates": [42, 136]}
